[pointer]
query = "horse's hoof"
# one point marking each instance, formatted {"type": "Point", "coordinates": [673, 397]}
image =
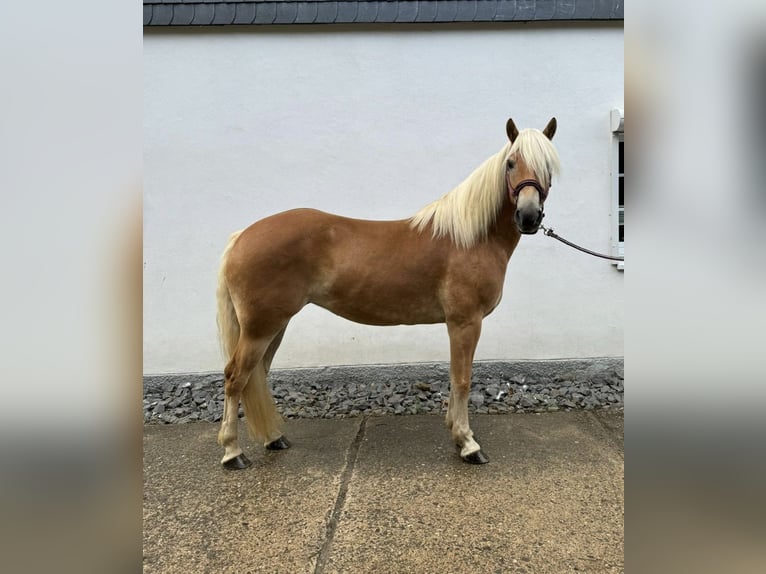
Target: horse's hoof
{"type": "Point", "coordinates": [280, 444]}
{"type": "Point", "coordinates": [476, 457]}
{"type": "Point", "coordinates": [239, 462]}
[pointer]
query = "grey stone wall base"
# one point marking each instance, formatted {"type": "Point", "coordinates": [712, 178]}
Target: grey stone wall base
{"type": "Point", "coordinates": [342, 375]}
{"type": "Point", "coordinates": [330, 392]}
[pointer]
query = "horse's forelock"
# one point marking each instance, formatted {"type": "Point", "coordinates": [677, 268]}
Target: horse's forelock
{"type": "Point", "coordinates": [538, 153]}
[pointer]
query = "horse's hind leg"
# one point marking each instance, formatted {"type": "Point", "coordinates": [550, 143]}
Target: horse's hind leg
{"type": "Point", "coordinates": [280, 443]}
{"type": "Point", "coordinates": [243, 363]}
{"type": "Point", "coordinates": [463, 336]}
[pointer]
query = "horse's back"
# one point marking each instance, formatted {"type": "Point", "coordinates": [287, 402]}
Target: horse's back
{"type": "Point", "coordinates": [311, 232]}
{"type": "Point", "coordinates": [299, 246]}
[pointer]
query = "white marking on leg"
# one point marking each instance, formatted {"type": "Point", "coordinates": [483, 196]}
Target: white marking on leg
{"type": "Point", "coordinates": [470, 446]}
{"type": "Point", "coordinates": [228, 434]}
{"type": "Point", "coordinates": [461, 431]}
{"type": "Point", "coordinates": [463, 436]}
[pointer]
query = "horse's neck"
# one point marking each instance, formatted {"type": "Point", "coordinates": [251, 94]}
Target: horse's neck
{"type": "Point", "coordinates": [504, 232]}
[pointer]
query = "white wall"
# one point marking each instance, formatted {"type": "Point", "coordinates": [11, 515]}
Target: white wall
{"type": "Point", "coordinates": [373, 123]}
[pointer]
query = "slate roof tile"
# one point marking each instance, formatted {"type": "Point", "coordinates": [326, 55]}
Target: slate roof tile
{"type": "Point", "coordinates": [426, 11]}
{"type": "Point", "coordinates": [183, 14]}
{"type": "Point", "coordinates": [307, 12]}
{"type": "Point", "coordinates": [245, 13]}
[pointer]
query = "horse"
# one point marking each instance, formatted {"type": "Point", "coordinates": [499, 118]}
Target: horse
{"type": "Point", "coordinates": [445, 264]}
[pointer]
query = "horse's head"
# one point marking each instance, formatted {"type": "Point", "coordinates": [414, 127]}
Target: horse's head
{"type": "Point", "coordinates": [529, 167]}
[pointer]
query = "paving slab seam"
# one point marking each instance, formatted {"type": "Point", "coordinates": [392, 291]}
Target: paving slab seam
{"type": "Point", "coordinates": [609, 431]}
{"type": "Point", "coordinates": [340, 501]}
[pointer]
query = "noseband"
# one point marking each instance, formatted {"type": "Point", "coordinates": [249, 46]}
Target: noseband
{"type": "Point", "coordinates": [514, 192]}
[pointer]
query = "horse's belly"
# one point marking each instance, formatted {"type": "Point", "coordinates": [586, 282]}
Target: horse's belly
{"type": "Point", "coordinates": [382, 307]}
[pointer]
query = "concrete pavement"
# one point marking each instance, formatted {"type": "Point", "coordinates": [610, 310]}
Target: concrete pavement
{"type": "Point", "coordinates": [390, 494]}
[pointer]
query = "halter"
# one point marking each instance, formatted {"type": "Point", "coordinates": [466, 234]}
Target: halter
{"type": "Point", "coordinates": [514, 192]}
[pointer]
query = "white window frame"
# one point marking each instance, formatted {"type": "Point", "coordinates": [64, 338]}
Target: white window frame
{"type": "Point", "coordinates": [617, 213]}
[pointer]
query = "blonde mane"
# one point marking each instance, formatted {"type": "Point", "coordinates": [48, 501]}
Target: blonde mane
{"type": "Point", "coordinates": [466, 213]}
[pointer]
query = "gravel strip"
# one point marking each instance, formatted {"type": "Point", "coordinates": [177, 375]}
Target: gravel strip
{"type": "Point", "coordinates": [324, 393]}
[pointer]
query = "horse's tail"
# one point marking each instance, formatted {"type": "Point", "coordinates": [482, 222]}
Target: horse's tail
{"type": "Point", "coordinates": [228, 324]}
{"type": "Point", "coordinates": [263, 419]}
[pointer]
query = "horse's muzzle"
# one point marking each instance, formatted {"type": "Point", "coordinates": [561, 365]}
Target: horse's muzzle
{"type": "Point", "coordinates": [528, 220]}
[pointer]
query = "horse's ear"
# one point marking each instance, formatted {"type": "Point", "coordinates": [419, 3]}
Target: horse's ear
{"type": "Point", "coordinates": [511, 130]}
{"type": "Point", "coordinates": [550, 129]}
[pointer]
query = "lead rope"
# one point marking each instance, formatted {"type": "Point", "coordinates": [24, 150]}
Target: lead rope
{"type": "Point", "coordinates": [550, 233]}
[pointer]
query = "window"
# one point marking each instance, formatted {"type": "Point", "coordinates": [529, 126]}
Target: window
{"type": "Point", "coordinates": [618, 185]}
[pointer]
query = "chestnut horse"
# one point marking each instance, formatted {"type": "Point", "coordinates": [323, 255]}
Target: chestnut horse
{"type": "Point", "coordinates": [446, 264]}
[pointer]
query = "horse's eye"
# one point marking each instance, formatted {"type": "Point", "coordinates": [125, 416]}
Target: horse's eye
{"type": "Point", "coordinates": [511, 165]}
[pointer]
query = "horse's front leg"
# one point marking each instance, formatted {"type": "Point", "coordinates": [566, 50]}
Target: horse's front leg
{"type": "Point", "coordinates": [463, 337]}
